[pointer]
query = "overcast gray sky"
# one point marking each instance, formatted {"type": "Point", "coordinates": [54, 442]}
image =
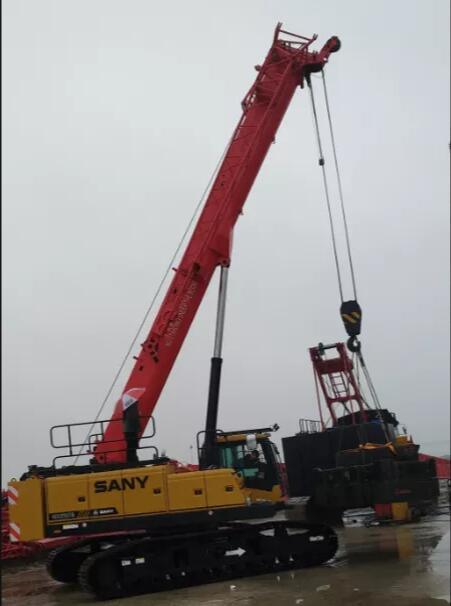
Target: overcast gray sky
{"type": "Point", "coordinates": [114, 116]}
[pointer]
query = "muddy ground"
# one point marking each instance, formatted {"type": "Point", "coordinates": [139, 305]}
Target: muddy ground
{"type": "Point", "coordinates": [407, 565]}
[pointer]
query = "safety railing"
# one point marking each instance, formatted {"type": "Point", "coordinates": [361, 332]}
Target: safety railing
{"type": "Point", "coordinates": [309, 426]}
{"type": "Point", "coordinates": [76, 447]}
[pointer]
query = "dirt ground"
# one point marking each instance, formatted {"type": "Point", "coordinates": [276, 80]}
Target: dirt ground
{"type": "Point", "coordinates": [407, 565]}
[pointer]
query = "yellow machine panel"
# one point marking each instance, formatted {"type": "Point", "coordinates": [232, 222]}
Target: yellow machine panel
{"type": "Point", "coordinates": [65, 495]}
{"type": "Point", "coordinates": [275, 495]}
{"type": "Point", "coordinates": [240, 437]}
{"type": "Point", "coordinates": [187, 490]}
{"type": "Point", "coordinates": [26, 510]}
{"type": "Point", "coordinates": [70, 502]}
{"type": "Point", "coordinates": [147, 490]}
{"type": "Point", "coordinates": [106, 493]}
{"type": "Point", "coordinates": [223, 488]}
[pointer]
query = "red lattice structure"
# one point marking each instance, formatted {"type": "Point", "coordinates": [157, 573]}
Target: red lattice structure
{"type": "Point", "coordinates": [335, 376]}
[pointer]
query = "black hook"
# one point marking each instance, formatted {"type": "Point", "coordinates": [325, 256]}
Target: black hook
{"type": "Point", "coordinates": [354, 344]}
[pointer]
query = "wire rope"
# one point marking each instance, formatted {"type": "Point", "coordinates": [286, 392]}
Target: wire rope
{"type": "Point", "coordinates": [152, 303]}
{"type": "Point", "coordinates": [326, 187]}
{"type": "Point", "coordinates": [340, 188]}
{"type": "Point", "coordinates": [371, 388]}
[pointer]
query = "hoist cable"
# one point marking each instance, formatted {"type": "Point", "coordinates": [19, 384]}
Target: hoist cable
{"type": "Point", "coordinates": [374, 395]}
{"type": "Point", "coordinates": [340, 188]}
{"type": "Point", "coordinates": [372, 389]}
{"type": "Point", "coordinates": [152, 303]}
{"type": "Point", "coordinates": [326, 188]}
{"type": "Point", "coordinates": [356, 364]}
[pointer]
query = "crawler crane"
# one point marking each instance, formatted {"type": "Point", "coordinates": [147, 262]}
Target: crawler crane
{"type": "Point", "coordinates": [144, 525]}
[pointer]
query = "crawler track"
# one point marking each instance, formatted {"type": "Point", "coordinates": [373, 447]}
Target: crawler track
{"type": "Point", "coordinates": [63, 563]}
{"type": "Point", "coordinates": [151, 564]}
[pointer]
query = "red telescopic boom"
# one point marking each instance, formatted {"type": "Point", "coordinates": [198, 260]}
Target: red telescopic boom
{"type": "Point", "coordinates": [287, 64]}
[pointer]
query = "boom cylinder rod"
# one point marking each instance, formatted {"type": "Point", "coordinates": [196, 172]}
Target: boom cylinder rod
{"type": "Point", "coordinates": [215, 375]}
{"type": "Point", "coordinates": [220, 314]}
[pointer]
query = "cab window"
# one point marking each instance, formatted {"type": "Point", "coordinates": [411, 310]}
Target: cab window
{"type": "Point", "coordinates": [250, 463]}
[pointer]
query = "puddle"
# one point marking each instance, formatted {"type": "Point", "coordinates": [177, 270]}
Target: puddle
{"type": "Point", "coordinates": [408, 565]}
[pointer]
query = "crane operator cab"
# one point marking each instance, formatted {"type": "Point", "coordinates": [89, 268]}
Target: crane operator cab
{"type": "Point", "coordinates": [256, 460]}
